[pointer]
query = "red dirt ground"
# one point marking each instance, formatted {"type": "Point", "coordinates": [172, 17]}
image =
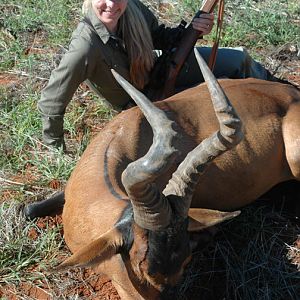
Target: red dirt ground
{"type": "Point", "coordinates": [8, 79]}
{"type": "Point", "coordinates": [88, 285]}
{"type": "Point", "coordinates": [94, 287]}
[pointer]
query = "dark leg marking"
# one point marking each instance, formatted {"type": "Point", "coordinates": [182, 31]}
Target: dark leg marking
{"type": "Point", "coordinates": [48, 207]}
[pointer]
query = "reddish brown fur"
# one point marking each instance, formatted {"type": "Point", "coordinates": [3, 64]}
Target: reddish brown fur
{"type": "Point", "coordinates": [269, 154]}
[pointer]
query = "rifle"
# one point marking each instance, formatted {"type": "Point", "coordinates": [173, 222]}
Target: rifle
{"type": "Point", "coordinates": [170, 63]}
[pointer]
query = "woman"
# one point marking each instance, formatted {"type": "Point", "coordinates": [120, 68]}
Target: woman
{"type": "Point", "coordinates": [122, 34]}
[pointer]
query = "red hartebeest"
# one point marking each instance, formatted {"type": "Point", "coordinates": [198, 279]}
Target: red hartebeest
{"type": "Point", "coordinates": [139, 189]}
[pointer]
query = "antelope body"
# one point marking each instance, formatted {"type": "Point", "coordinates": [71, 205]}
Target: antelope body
{"type": "Point", "coordinates": [143, 247]}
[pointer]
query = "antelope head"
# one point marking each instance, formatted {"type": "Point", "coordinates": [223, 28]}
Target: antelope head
{"type": "Point", "coordinates": [153, 234]}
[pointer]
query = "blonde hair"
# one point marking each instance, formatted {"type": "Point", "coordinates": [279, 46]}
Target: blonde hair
{"type": "Point", "coordinates": [138, 42]}
{"type": "Point", "coordinates": [85, 6]}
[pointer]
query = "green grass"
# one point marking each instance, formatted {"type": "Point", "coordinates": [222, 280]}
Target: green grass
{"type": "Point", "coordinates": [33, 37]}
{"type": "Point", "coordinates": [20, 251]}
{"type": "Point", "coordinates": [22, 21]}
{"type": "Point", "coordinates": [257, 24]}
{"type": "Point", "coordinates": [23, 154]}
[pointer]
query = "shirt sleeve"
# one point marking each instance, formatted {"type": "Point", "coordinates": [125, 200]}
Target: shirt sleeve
{"type": "Point", "coordinates": [65, 79]}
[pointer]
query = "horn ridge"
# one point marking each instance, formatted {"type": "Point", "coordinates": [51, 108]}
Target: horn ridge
{"type": "Point", "coordinates": [184, 180]}
{"type": "Point", "coordinates": [151, 209]}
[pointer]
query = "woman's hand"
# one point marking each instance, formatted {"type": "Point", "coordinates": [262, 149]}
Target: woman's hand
{"type": "Point", "coordinates": [204, 23]}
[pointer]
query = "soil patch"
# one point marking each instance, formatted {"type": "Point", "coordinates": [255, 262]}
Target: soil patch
{"type": "Point", "coordinates": [8, 80]}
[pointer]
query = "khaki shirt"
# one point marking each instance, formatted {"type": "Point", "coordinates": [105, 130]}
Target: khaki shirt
{"type": "Point", "coordinates": [91, 55]}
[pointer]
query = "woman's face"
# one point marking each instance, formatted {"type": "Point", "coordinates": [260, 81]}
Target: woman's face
{"type": "Point", "coordinates": [109, 12]}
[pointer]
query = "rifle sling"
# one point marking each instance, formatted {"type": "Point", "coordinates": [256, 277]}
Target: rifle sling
{"type": "Point", "coordinates": [213, 55]}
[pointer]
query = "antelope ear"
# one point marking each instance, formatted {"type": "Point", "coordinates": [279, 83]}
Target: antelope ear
{"type": "Point", "coordinates": [101, 249]}
{"type": "Point", "coordinates": [200, 218]}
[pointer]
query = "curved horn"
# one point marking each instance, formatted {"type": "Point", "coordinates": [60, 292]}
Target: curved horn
{"type": "Point", "coordinates": [151, 210]}
{"type": "Point", "coordinates": [186, 177]}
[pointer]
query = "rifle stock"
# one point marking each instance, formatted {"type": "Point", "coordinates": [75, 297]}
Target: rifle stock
{"type": "Point", "coordinates": [185, 46]}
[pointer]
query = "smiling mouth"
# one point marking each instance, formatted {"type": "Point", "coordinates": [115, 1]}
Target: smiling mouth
{"type": "Point", "coordinates": [110, 13]}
